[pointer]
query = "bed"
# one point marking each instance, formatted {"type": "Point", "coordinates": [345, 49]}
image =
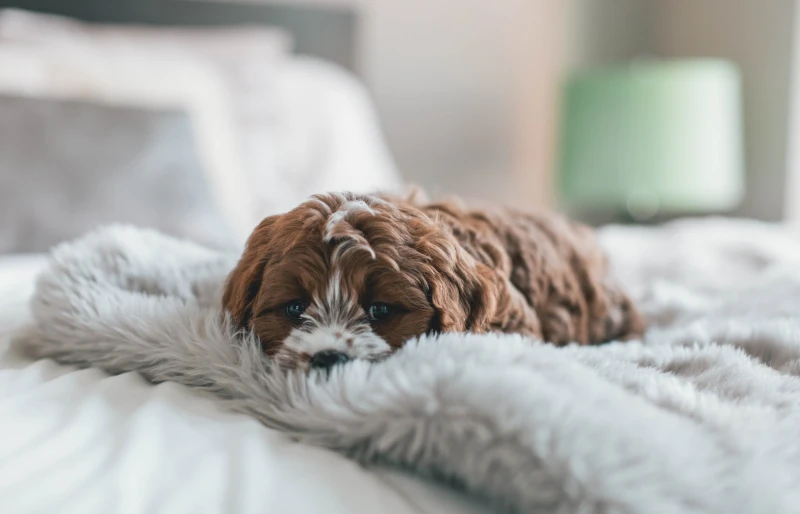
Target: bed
{"type": "Point", "coordinates": [700, 416]}
{"type": "Point", "coordinates": [82, 441]}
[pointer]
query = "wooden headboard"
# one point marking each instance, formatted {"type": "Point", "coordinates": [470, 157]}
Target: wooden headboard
{"type": "Point", "coordinates": [327, 32]}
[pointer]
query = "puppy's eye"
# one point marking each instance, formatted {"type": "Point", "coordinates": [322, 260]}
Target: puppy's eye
{"type": "Point", "coordinates": [295, 310]}
{"type": "Point", "coordinates": [379, 311]}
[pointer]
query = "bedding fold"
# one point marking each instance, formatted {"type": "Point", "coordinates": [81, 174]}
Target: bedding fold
{"type": "Point", "coordinates": [701, 415]}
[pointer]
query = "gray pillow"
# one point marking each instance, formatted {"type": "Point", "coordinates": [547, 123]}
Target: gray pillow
{"type": "Point", "coordinates": [69, 166]}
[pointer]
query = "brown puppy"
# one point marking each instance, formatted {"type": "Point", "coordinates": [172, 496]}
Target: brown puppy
{"type": "Point", "coordinates": [347, 276]}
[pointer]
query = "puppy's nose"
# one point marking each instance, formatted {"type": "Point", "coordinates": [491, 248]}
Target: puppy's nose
{"type": "Point", "coordinates": [327, 359]}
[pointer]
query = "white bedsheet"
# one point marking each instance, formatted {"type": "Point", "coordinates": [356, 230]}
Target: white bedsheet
{"type": "Point", "coordinates": [81, 441]}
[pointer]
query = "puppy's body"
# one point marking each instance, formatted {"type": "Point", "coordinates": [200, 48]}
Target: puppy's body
{"type": "Point", "coordinates": [551, 275]}
{"type": "Point", "coordinates": [360, 275]}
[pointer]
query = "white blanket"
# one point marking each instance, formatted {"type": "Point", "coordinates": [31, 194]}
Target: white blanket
{"type": "Point", "coordinates": [701, 416]}
{"type": "Point", "coordinates": [83, 442]}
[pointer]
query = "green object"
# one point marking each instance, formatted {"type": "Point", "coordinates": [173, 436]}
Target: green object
{"type": "Point", "coordinates": [656, 136]}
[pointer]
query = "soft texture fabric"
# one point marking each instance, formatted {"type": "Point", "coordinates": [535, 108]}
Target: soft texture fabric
{"type": "Point", "coordinates": [244, 61]}
{"type": "Point", "coordinates": [78, 441]}
{"type": "Point", "coordinates": [64, 165]}
{"type": "Point", "coordinates": [701, 416]}
{"type": "Point", "coordinates": [289, 126]}
{"type": "Point", "coordinates": [67, 75]}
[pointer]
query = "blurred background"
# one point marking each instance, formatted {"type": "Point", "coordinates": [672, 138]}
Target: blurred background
{"type": "Point", "coordinates": [199, 117]}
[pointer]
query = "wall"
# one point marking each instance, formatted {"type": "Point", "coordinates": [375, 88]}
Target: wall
{"type": "Point", "coordinates": [792, 195]}
{"type": "Point", "coordinates": [599, 32]}
{"type": "Point", "coordinates": [442, 75]}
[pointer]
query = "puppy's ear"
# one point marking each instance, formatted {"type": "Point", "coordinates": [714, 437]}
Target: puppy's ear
{"type": "Point", "coordinates": [511, 312]}
{"type": "Point", "coordinates": [461, 290]}
{"type": "Point", "coordinates": [470, 296]}
{"type": "Point", "coordinates": [244, 282]}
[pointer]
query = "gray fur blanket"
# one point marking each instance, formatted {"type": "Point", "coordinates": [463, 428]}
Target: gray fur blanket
{"type": "Point", "coordinates": [703, 415]}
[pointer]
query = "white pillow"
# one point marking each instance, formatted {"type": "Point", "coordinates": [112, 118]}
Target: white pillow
{"type": "Point", "coordinates": [67, 73]}
{"type": "Point", "coordinates": [298, 126]}
{"type": "Point", "coordinates": [68, 166]}
{"type": "Point", "coordinates": [245, 61]}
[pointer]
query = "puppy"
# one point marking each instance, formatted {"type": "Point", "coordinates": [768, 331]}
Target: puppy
{"type": "Point", "coordinates": [347, 276]}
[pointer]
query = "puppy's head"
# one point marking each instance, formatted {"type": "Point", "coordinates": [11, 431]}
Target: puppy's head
{"type": "Point", "coordinates": [347, 276]}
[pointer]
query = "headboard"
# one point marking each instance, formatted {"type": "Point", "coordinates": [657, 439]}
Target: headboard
{"type": "Point", "coordinates": [327, 32]}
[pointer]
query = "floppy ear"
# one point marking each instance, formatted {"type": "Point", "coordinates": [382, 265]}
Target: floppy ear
{"type": "Point", "coordinates": [460, 300]}
{"type": "Point", "coordinates": [244, 282]}
{"type": "Point", "coordinates": [460, 288]}
{"type": "Point", "coordinates": [512, 313]}
{"type": "Point", "coordinates": [470, 296]}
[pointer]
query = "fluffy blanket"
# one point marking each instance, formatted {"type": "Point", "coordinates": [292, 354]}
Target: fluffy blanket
{"type": "Point", "coordinates": [703, 415]}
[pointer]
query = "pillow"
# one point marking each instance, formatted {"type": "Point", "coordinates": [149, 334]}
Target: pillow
{"type": "Point", "coordinates": [67, 166]}
{"type": "Point", "coordinates": [303, 125]}
{"type": "Point", "coordinates": [246, 59]}
{"type": "Point", "coordinates": [135, 81]}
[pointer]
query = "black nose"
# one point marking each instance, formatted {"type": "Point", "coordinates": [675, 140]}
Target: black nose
{"type": "Point", "coordinates": [327, 359]}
